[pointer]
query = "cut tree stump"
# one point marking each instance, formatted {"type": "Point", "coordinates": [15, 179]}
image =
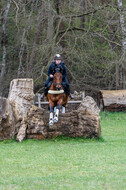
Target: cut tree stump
{"type": "Point", "coordinates": [21, 95]}
{"type": "Point", "coordinates": [112, 100]}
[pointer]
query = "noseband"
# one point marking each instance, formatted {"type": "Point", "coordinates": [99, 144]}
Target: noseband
{"type": "Point", "coordinates": [57, 84]}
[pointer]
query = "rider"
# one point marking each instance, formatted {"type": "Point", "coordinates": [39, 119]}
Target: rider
{"type": "Point", "coordinates": [51, 71]}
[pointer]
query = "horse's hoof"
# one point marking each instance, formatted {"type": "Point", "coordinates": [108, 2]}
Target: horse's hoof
{"type": "Point", "coordinates": [51, 123]}
{"type": "Point", "coordinates": [55, 119]}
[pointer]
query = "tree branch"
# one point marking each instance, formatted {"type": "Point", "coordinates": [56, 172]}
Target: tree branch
{"type": "Point", "coordinates": [88, 13]}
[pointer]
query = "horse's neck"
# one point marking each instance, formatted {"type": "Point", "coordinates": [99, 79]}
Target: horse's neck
{"type": "Point", "coordinates": [52, 87]}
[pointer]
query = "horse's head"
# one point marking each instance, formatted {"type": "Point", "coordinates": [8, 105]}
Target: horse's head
{"type": "Point", "coordinates": [57, 81]}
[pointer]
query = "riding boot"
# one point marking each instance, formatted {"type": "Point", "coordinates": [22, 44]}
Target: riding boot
{"type": "Point", "coordinates": [44, 93]}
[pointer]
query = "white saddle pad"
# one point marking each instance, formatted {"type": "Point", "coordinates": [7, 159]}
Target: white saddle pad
{"type": "Point", "coordinates": [55, 91]}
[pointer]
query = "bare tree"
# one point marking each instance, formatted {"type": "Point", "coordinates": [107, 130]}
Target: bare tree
{"type": "Point", "coordinates": [37, 34]}
{"type": "Point", "coordinates": [123, 57]}
{"type": "Point", "coordinates": [50, 29]}
{"type": "Point", "coordinates": [3, 42]}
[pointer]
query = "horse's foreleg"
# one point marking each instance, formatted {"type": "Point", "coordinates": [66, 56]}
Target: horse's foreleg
{"type": "Point", "coordinates": [51, 115]}
{"type": "Point", "coordinates": [57, 113]}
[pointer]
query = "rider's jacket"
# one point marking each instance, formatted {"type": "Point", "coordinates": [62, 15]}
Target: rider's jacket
{"type": "Point", "coordinates": [53, 66]}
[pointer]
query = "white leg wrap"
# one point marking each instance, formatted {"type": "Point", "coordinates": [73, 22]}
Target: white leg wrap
{"type": "Point", "coordinates": [63, 109]}
{"type": "Point", "coordinates": [51, 115]}
{"type": "Point", "coordinates": [56, 115]}
{"type": "Point", "coordinates": [57, 112]}
{"type": "Point", "coordinates": [51, 119]}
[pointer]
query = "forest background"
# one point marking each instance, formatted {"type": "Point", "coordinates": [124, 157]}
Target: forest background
{"type": "Point", "coordinates": [89, 34]}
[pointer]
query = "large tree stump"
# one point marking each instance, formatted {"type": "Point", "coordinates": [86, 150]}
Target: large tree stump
{"type": "Point", "coordinates": [14, 109]}
{"type": "Point", "coordinates": [84, 122]}
{"type": "Point", "coordinates": [7, 120]}
{"type": "Point", "coordinates": [21, 95]}
{"type": "Point", "coordinates": [112, 100]}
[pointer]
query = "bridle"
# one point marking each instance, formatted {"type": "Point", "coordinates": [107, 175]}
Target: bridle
{"type": "Point", "coordinates": [56, 83]}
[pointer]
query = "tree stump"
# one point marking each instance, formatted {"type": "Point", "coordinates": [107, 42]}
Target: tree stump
{"type": "Point", "coordinates": [112, 100]}
{"type": "Point", "coordinates": [21, 95]}
{"type": "Point", "coordinates": [7, 120]}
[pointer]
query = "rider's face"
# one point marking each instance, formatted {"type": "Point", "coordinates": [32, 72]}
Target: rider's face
{"type": "Point", "coordinates": [58, 61]}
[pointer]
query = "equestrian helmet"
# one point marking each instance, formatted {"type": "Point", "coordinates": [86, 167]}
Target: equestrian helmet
{"type": "Point", "coordinates": [57, 57]}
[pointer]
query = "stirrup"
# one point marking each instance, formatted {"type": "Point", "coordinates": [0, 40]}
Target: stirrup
{"type": "Point", "coordinates": [41, 97]}
{"type": "Point", "coordinates": [71, 96]}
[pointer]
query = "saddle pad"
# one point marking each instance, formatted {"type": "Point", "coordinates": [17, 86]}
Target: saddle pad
{"type": "Point", "coordinates": [55, 91]}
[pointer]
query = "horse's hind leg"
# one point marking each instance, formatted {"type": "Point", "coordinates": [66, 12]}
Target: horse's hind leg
{"type": "Point", "coordinates": [63, 109]}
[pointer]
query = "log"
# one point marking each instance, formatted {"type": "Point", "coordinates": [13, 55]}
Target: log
{"type": "Point", "coordinates": [112, 100]}
{"type": "Point", "coordinates": [83, 122]}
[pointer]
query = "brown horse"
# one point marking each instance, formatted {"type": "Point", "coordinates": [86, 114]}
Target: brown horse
{"type": "Point", "coordinates": [56, 97]}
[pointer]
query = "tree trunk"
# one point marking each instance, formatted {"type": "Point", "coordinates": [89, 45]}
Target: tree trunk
{"type": "Point", "coordinates": [36, 39]}
{"type": "Point", "coordinates": [117, 75]}
{"type": "Point", "coordinates": [50, 29]}
{"type": "Point", "coordinates": [3, 42]}
{"type": "Point", "coordinates": [83, 10]}
{"type": "Point", "coordinates": [123, 57]}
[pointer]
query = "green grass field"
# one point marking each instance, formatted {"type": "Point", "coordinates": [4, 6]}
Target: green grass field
{"type": "Point", "coordinates": [67, 163]}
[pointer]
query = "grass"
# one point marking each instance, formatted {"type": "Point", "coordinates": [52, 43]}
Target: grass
{"type": "Point", "coordinates": [67, 163]}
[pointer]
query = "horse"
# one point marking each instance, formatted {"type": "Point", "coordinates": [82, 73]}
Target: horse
{"type": "Point", "coordinates": [56, 97]}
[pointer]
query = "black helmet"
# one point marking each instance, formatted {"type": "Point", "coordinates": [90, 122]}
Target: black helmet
{"type": "Point", "coordinates": [57, 57]}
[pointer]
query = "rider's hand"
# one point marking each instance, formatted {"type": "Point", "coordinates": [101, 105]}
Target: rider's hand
{"type": "Point", "coordinates": [51, 76]}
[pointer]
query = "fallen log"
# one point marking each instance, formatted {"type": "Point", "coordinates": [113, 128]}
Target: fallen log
{"type": "Point", "coordinates": [112, 100]}
{"type": "Point", "coordinates": [83, 122]}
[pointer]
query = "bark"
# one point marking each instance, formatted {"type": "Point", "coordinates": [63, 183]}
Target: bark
{"type": "Point", "coordinates": [3, 42]}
